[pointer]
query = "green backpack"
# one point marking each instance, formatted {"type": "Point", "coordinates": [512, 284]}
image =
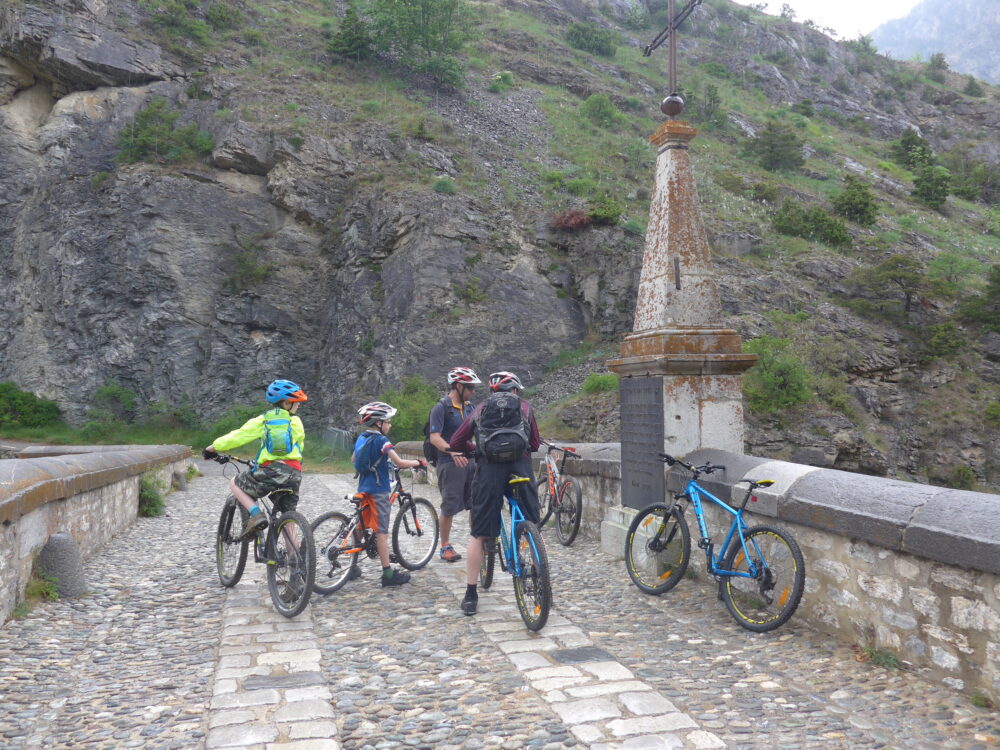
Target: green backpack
{"type": "Point", "coordinates": [277, 438]}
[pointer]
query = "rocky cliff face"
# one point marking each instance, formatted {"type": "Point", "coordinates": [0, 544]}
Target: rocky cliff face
{"type": "Point", "coordinates": [964, 30]}
{"type": "Point", "coordinates": [130, 274]}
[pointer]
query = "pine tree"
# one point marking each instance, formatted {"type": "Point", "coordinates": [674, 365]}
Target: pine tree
{"type": "Point", "coordinates": [777, 147]}
{"type": "Point", "coordinates": [352, 40]}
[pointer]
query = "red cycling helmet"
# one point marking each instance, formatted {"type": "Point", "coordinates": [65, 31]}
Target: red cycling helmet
{"type": "Point", "coordinates": [464, 375]}
{"type": "Point", "coordinates": [505, 381]}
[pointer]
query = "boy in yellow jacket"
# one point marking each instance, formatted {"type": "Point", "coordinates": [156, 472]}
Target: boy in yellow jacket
{"type": "Point", "coordinates": [279, 461]}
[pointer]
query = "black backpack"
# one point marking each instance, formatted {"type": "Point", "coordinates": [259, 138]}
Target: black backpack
{"type": "Point", "coordinates": [431, 453]}
{"type": "Point", "coordinates": [501, 434]}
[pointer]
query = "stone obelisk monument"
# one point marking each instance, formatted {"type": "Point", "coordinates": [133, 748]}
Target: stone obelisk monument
{"type": "Point", "coordinates": [680, 370]}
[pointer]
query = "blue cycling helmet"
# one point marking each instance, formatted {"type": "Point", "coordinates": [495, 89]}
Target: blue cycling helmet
{"type": "Point", "coordinates": [284, 390]}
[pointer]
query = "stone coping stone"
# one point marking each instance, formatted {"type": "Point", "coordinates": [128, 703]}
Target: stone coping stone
{"type": "Point", "coordinates": [29, 483]}
{"type": "Point", "coordinates": [873, 509]}
{"type": "Point", "coordinates": [958, 528]}
{"type": "Point", "coordinates": [719, 483]}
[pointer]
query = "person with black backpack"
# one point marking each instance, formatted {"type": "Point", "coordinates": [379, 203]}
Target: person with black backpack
{"type": "Point", "coordinates": [454, 470]}
{"type": "Point", "coordinates": [506, 435]}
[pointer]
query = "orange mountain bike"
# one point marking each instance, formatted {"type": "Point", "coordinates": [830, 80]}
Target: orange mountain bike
{"type": "Point", "coordinates": [560, 494]}
{"type": "Point", "coordinates": [340, 540]}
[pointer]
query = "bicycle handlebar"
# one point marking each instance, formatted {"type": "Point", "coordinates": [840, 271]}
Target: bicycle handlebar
{"type": "Point", "coordinates": [225, 458]}
{"type": "Point", "coordinates": [568, 452]}
{"type": "Point", "coordinates": [696, 470]}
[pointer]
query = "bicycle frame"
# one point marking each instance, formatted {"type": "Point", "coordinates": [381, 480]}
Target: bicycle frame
{"type": "Point", "coordinates": [694, 492]}
{"type": "Point", "coordinates": [397, 494]}
{"type": "Point", "coordinates": [513, 562]}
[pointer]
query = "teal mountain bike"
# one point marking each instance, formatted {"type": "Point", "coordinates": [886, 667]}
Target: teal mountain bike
{"type": "Point", "coordinates": [759, 569]}
{"type": "Point", "coordinates": [521, 552]}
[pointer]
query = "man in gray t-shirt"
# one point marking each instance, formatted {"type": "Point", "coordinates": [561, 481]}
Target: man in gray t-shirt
{"type": "Point", "coordinates": [454, 470]}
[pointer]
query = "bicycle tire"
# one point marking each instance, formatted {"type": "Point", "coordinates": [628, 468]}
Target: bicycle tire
{"type": "Point", "coordinates": [751, 601]}
{"type": "Point", "coordinates": [488, 565]}
{"type": "Point", "coordinates": [532, 588]}
{"type": "Point", "coordinates": [292, 572]}
{"type": "Point", "coordinates": [569, 511]}
{"type": "Point", "coordinates": [546, 501]}
{"type": "Point", "coordinates": [230, 549]}
{"type": "Point", "coordinates": [657, 561]}
{"type": "Point", "coordinates": [415, 533]}
{"type": "Point", "coordinates": [330, 536]}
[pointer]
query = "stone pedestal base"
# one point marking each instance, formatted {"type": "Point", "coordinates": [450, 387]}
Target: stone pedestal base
{"type": "Point", "coordinates": [613, 530]}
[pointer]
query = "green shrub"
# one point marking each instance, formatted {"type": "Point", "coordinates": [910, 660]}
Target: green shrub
{"type": "Point", "coordinates": [353, 40]}
{"type": "Point", "coordinates": [962, 477]}
{"type": "Point", "coordinates": [41, 587]}
{"type": "Point", "coordinates": [469, 292]}
{"type": "Point", "coordinates": [114, 403]}
{"type": "Point", "coordinates": [600, 383]}
{"type": "Point", "coordinates": [445, 70]}
{"type": "Point", "coordinates": [444, 185]}
{"type": "Point", "coordinates": [176, 19]}
{"type": "Point", "coordinates": [250, 265]}
{"type": "Point", "coordinates": [600, 110]}
{"type": "Point", "coordinates": [765, 192]}
{"type": "Point", "coordinates": [778, 381]}
{"type": "Point", "coordinates": [911, 151]}
{"type": "Point", "coordinates": [221, 15]}
{"type": "Point", "coordinates": [634, 226]}
{"type": "Point", "coordinates": [589, 37]}
{"type": "Point", "coordinates": [22, 409]}
{"type": "Point", "coordinates": [414, 399]}
{"type": "Point", "coordinates": [856, 202]}
{"type": "Point", "coordinates": [606, 211]}
{"type": "Point", "coordinates": [715, 69]}
{"type": "Point", "coordinates": [812, 224]}
{"type": "Point", "coordinates": [150, 496]}
{"type": "Point", "coordinates": [984, 309]}
{"type": "Point", "coordinates": [581, 186]}
{"type": "Point", "coordinates": [776, 147]}
{"type": "Point", "coordinates": [804, 107]}
{"type": "Point", "coordinates": [154, 136]}
{"type": "Point", "coordinates": [972, 88]}
{"type": "Point", "coordinates": [939, 340]}
{"type": "Point", "coordinates": [932, 185]}
{"type": "Point", "coordinates": [501, 82]}
{"type": "Point", "coordinates": [729, 180]}
{"type": "Point", "coordinates": [992, 414]}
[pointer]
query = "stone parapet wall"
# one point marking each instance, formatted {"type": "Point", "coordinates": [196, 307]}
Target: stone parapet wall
{"type": "Point", "coordinates": [895, 566]}
{"type": "Point", "coordinates": [89, 495]}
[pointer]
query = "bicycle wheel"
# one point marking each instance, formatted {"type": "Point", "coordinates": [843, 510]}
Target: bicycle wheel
{"type": "Point", "coordinates": [291, 571]}
{"type": "Point", "coordinates": [332, 534]}
{"type": "Point", "coordinates": [230, 550]}
{"type": "Point", "coordinates": [488, 564]}
{"type": "Point", "coordinates": [657, 548]}
{"type": "Point", "coordinates": [569, 511]}
{"type": "Point", "coordinates": [546, 501]}
{"type": "Point", "coordinates": [767, 601]}
{"type": "Point", "coordinates": [415, 533]}
{"type": "Point", "coordinates": [532, 588]}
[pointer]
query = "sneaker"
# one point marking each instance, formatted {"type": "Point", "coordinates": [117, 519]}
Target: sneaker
{"type": "Point", "coordinates": [398, 578]}
{"type": "Point", "coordinates": [448, 554]}
{"type": "Point", "coordinates": [354, 574]}
{"type": "Point", "coordinates": [469, 606]}
{"type": "Point", "coordinates": [254, 524]}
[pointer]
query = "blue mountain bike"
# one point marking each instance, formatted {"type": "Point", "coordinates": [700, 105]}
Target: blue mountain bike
{"type": "Point", "coordinates": [521, 552]}
{"type": "Point", "coordinates": [760, 570]}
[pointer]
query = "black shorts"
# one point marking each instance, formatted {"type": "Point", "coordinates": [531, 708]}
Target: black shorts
{"type": "Point", "coordinates": [488, 487]}
{"type": "Point", "coordinates": [455, 484]}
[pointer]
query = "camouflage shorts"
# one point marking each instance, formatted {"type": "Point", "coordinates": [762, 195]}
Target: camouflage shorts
{"type": "Point", "coordinates": [278, 478]}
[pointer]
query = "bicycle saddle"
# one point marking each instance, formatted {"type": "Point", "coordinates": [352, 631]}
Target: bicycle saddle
{"type": "Point", "coordinates": [517, 480]}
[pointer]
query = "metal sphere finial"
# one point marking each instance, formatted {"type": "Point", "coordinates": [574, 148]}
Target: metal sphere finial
{"type": "Point", "coordinates": [672, 106]}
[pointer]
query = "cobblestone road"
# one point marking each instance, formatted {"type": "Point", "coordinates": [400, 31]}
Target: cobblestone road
{"type": "Point", "coordinates": [158, 655]}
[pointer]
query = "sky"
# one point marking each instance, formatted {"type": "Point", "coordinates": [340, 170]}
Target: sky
{"type": "Point", "coordinates": [848, 18]}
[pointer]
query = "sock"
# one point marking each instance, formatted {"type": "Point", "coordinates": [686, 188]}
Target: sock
{"type": "Point", "coordinates": [254, 511]}
{"type": "Point", "coordinates": [470, 592]}
{"type": "Point", "coordinates": [387, 572]}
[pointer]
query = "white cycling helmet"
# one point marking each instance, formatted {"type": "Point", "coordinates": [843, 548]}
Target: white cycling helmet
{"type": "Point", "coordinates": [505, 381]}
{"type": "Point", "coordinates": [376, 411]}
{"type": "Point", "coordinates": [464, 375]}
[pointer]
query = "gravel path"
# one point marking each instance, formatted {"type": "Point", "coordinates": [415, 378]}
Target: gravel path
{"type": "Point", "coordinates": [158, 655]}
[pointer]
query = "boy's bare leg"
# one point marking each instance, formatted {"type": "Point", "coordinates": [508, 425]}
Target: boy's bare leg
{"type": "Point", "coordinates": [473, 560]}
{"type": "Point", "coordinates": [243, 498]}
{"type": "Point", "coordinates": [382, 545]}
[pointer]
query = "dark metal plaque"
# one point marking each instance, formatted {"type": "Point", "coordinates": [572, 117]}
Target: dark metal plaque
{"type": "Point", "coordinates": [642, 441]}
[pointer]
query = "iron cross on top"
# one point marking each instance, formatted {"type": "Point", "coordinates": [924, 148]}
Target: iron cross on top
{"type": "Point", "coordinates": [673, 105]}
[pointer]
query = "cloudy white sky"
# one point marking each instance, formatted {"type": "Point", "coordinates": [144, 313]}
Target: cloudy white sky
{"type": "Point", "coordinates": [847, 17]}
